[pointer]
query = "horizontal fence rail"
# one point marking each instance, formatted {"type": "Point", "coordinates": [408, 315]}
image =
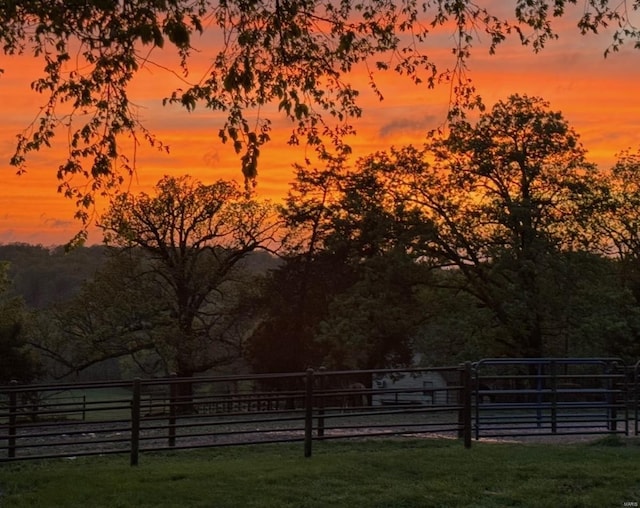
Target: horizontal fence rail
{"type": "Point", "coordinates": [487, 399]}
{"type": "Point", "coordinates": [562, 396]}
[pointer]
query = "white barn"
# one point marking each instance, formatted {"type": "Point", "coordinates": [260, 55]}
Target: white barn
{"type": "Point", "coordinates": [413, 388]}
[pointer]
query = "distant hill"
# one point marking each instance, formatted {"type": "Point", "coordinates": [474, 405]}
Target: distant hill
{"type": "Point", "coordinates": [43, 276]}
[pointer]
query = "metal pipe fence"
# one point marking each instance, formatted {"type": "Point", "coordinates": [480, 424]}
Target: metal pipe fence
{"type": "Point", "coordinates": [552, 396]}
{"type": "Point", "coordinates": [490, 398]}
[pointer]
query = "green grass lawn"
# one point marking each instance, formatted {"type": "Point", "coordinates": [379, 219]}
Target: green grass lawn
{"type": "Point", "coordinates": [371, 474]}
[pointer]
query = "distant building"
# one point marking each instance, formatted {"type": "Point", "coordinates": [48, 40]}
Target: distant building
{"type": "Point", "coordinates": [411, 388]}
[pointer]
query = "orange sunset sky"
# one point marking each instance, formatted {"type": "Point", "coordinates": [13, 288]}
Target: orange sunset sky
{"type": "Point", "coordinates": [599, 97]}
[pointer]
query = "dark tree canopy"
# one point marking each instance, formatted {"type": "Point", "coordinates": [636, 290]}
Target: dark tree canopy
{"type": "Point", "coordinates": [498, 203]}
{"type": "Point", "coordinates": [17, 362]}
{"type": "Point", "coordinates": [195, 238]}
{"type": "Point", "coordinates": [293, 56]}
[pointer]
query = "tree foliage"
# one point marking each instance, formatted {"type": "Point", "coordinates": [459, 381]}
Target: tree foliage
{"type": "Point", "coordinates": [194, 238]}
{"type": "Point", "coordinates": [498, 238]}
{"type": "Point", "coordinates": [473, 234]}
{"type": "Point", "coordinates": [17, 362]}
{"type": "Point", "coordinates": [116, 313]}
{"type": "Point", "coordinates": [373, 323]}
{"type": "Point", "coordinates": [344, 294]}
{"type": "Point", "coordinates": [295, 56]}
{"type": "Point", "coordinates": [294, 299]}
{"type": "Point", "coordinates": [503, 197]}
{"type": "Point", "coordinates": [617, 219]}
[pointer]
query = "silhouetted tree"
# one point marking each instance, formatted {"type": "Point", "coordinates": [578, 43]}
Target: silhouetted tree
{"type": "Point", "coordinates": [177, 287]}
{"type": "Point", "coordinates": [618, 220]}
{"type": "Point", "coordinates": [296, 296]}
{"type": "Point", "coordinates": [502, 197]}
{"type": "Point", "coordinates": [195, 237]}
{"type": "Point", "coordinates": [347, 242]}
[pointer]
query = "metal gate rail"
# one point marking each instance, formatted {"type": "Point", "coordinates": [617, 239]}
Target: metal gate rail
{"type": "Point", "coordinates": [636, 396]}
{"type": "Point", "coordinates": [551, 396]}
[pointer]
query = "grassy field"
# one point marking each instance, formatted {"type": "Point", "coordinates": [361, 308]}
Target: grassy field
{"type": "Point", "coordinates": [371, 474]}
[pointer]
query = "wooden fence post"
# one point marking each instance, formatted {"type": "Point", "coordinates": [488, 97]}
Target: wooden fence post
{"type": "Point", "coordinates": [135, 422]}
{"type": "Point", "coordinates": [308, 413]}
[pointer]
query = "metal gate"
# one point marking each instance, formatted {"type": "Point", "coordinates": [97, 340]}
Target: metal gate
{"type": "Point", "coordinates": [551, 396]}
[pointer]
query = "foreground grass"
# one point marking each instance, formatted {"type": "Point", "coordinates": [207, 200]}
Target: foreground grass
{"type": "Point", "coordinates": [371, 474]}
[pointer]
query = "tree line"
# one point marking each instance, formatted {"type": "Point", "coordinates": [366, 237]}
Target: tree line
{"type": "Point", "coordinates": [495, 238]}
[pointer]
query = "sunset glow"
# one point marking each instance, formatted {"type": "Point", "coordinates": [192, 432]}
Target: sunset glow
{"type": "Point", "coordinates": [599, 98]}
